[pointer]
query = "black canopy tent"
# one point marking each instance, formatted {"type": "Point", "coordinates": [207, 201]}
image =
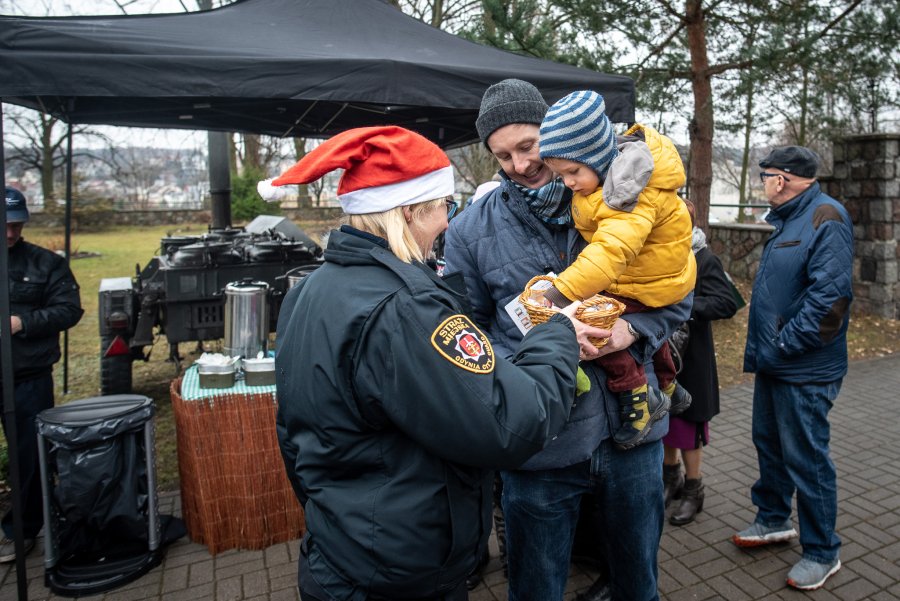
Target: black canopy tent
{"type": "Point", "coordinates": [307, 68]}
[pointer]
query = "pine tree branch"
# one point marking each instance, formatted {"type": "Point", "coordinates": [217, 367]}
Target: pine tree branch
{"type": "Point", "coordinates": [662, 45]}
{"type": "Point", "coordinates": [775, 55]}
{"type": "Point", "coordinates": [671, 10]}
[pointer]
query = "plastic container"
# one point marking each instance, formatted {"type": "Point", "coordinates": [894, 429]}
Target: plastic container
{"type": "Point", "coordinates": [259, 372]}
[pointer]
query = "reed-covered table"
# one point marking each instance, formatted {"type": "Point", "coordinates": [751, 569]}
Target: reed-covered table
{"type": "Point", "coordinates": [234, 490]}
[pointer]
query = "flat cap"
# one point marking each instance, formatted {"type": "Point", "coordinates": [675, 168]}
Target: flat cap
{"type": "Point", "coordinates": [799, 160]}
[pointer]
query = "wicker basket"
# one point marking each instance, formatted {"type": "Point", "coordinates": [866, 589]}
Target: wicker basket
{"type": "Point", "coordinates": [598, 311]}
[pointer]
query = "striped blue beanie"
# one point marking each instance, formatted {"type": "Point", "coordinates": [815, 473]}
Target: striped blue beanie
{"type": "Point", "coordinates": [577, 128]}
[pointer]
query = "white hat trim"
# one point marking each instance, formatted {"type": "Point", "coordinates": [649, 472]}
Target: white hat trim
{"type": "Point", "coordinates": [378, 199]}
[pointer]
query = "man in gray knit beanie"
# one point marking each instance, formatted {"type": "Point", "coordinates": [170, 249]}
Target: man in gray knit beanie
{"type": "Point", "coordinates": [520, 229]}
{"type": "Point", "coordinates": [510, 101]}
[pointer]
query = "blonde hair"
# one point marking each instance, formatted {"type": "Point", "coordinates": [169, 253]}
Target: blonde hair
{"type": "Point", "coordinates": [392, 226]}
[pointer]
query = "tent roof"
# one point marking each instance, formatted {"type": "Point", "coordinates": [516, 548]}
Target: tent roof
{"type": "Point", "coordinates": [279, 67]}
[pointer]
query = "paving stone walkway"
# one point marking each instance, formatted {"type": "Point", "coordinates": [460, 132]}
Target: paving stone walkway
{"type": "Point", "coordinates": [696, 562]}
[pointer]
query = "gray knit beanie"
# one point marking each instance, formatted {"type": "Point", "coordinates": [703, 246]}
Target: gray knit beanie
{"type": "Point", "coordinates": [510, 101]}
{"type": "Point", "coordinates": [577, 128]}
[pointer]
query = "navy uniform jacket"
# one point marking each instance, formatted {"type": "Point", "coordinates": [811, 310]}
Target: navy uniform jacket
{"type": "Point", "coordinates": [393, 409]}
{"type": "Point", "coordinates": [800, 308]}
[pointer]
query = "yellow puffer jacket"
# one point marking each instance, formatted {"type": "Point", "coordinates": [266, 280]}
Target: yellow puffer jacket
{"type": "Point", "coordinates": [638, 228]}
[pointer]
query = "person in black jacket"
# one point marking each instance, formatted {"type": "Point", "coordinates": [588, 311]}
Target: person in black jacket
{"type": "Point", "coordinates": [689, 431]}
{"type": "Point", "coordinates": [43, 301]}
{"type": "Point", "coordinates": [393, 406]}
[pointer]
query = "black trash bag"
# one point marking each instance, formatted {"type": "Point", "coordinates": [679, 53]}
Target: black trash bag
{"type": "Point", "coordinates": [100, 499]}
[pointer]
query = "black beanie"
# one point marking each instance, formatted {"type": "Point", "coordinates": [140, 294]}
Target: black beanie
{"type": "Point", "coordinates": [510, 101]}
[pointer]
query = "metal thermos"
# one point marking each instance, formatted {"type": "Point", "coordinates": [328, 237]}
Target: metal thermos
{"type": "Point", "coordinates": [246, 318]}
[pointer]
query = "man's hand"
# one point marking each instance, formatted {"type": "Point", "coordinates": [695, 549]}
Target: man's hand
{"type": "Point", "coordinates": [583, 331]}
{"type": "Point", "coordinates": [15, 324]}
{"type": "Point", "coordinates": [619, 338]}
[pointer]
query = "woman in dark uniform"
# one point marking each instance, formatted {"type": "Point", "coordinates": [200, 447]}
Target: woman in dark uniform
{"type": "Point", "coordinates": [393, 407]}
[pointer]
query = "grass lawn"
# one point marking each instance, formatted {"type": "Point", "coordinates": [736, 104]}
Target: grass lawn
{"type": "Point", "coordinates": [121, 250]}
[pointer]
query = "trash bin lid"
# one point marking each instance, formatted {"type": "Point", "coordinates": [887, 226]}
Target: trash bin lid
{"type": "Point", "coordinates": [94, 420]}
{"type": "Point", "coordinates": [84, 412]}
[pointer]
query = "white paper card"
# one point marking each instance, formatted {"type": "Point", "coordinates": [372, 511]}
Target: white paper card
{"type": "Point", "coordinates": [519, 315]}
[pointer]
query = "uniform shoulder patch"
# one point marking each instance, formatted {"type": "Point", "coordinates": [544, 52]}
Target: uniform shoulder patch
{"type": "Point", "coordinates": [460, 342]}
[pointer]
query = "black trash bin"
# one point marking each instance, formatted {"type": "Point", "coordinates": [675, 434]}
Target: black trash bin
{"type": "Point", "coordinates": [101, 513]}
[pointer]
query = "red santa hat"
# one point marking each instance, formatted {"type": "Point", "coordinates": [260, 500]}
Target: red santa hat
{"type": "Point", "coordinates": [384, 168]}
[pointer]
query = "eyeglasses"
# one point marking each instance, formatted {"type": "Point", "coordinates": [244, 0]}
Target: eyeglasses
{"type": "Point", "coordinates": [452, 206]}
{"type": "Point", "coordinates": [763, 175]}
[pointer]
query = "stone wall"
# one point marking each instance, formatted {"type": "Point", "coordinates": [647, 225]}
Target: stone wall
{"type": "Point", "coordinates": [866, 178]}
{"type": "Point", "coordinates": [739, 246]}
{"type": "Point", "coordinates": [121, 218]}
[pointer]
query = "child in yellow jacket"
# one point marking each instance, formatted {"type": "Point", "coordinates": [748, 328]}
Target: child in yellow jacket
{"type": "Point", "coordinates": [625, 205]}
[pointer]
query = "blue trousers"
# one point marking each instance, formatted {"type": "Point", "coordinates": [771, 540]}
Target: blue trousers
{"type": "Point", "coordinates": [31, 397]}
{"type": "Point", "coordinates": [791, 434]}
{"type": "Point", "coordinates": [542, 507]}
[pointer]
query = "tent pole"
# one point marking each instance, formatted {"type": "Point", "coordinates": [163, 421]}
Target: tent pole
{"type": "Point", "coordinates": [68, 248]}
{"type": "Point", "coordinates": [219, 179]}
{"type": "Point", "coordinates": [9, 409]}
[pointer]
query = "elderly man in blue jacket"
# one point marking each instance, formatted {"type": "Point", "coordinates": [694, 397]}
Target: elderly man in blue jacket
{"type": "Point", "coordinates": [797, 346]}
{"type": "Point", "coordinates": [520, 229]}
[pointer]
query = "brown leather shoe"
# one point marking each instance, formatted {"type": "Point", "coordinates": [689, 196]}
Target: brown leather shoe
{"type": "Point", "coordinates": [673, 480]}
{"type": "Point", "coordinates": [691, 503]}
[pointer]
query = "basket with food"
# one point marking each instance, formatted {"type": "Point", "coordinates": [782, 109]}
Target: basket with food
{"type": "Point", "coordinates": [598, 311]}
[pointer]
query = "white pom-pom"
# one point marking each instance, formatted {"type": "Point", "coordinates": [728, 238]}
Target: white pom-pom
{"type": "Point", "coordinates": [271, 193]}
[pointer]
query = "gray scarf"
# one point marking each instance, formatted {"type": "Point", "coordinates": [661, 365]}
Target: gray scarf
{"type": "Point", "coordinates": [551, 203]}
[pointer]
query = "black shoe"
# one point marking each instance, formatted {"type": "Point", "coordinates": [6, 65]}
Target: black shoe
{"type": "Point", "coordinates": [681, 399]}
{"type": "Point", "coordinates": [633, 406]}
{"type": "Point", "coordinates": [673, 480]}
{"type": "Point", "coordinates": [599, 591]}
{"type": "Point", "coordinates": [691, 503]}
{"type": "Point", "coordinates": [474, 577]}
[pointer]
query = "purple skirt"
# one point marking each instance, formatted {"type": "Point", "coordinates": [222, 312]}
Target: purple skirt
{"type": "Point", "coordinates": [686, 435]}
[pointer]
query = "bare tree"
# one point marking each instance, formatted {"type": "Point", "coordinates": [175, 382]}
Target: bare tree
{"type": "Point", "coordinates": [449, 15]}
{"type": "Point", "coordinates": [474, 165]}
{"type": "Point", "coordinates": [37, 141]}
{"type": "Point", "coordinates": [136, 171]}
{"type": "Point", "coordinates": [303, 189]}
